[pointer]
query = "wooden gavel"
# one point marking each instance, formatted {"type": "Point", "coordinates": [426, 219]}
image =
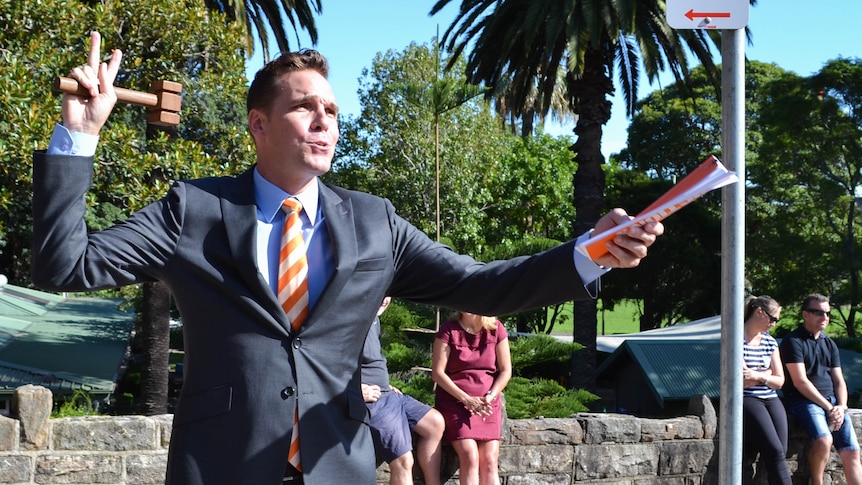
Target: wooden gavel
{"type": "Point", "coordinates": [164, 102]}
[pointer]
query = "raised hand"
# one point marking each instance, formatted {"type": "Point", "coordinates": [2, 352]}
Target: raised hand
{"type": "Point", "coordinates": [88, 114]}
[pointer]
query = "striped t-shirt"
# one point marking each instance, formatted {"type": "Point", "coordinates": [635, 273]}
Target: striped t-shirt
{"type": "Point", "coordinates": [759, 358]}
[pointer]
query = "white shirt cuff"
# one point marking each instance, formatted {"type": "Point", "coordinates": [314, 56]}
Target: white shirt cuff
{"type": "Point", "coordinates": [64, 142]}
{"type": "Point", "coordinates": [587, 269]}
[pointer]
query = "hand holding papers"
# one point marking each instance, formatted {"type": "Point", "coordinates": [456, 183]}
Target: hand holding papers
{"type": "Point", "coordinates": [709, 175]}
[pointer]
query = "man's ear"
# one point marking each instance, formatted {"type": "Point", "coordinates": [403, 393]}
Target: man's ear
{"type": "Point", "coordinates": [257, 122]}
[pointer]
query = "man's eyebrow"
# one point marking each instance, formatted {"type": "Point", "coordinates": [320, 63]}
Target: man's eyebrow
{"type": "Point", "coordinates": [316, 98]}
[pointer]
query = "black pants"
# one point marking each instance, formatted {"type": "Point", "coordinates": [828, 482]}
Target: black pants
{"type": "Point", "coordinates": [764, 426]}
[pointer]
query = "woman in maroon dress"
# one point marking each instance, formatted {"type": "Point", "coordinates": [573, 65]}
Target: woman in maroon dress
{"type": "Point", "coordinates": [471, 365]}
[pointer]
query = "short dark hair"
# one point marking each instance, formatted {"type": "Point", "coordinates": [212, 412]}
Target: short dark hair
{"type": "Point", "coordinates": [266, 82]}
{"type": "Point", "coordinates": [814, 297]}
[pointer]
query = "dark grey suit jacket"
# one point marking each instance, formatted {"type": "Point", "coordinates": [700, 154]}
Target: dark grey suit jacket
{"type": "Point", "coordinates": [244, 370]}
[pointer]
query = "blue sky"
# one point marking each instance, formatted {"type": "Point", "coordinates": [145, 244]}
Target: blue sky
{"type": "Point", "coordinates": [797, 35]}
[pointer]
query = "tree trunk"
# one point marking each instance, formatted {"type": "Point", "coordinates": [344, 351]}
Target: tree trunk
{"type": "Point", "coordinates": [590, 97]}
{"type": "Point", "coordinates": [155, 342]}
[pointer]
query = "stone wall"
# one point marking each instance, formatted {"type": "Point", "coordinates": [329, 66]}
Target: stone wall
{"type": "Point", "coordinates": [586, 448]}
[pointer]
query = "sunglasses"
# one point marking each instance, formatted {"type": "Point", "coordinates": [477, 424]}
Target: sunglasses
{"type": "Point", "coordinates": [771, 318]}
{"type": "Point", "coordinates": [818, 313]}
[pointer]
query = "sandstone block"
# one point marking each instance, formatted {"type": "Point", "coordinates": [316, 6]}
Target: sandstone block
{"type": "Point", "coordinates": [90, 468]}
{"type": "Point", "coordinates": [9, 433]}
{"type": "Point", "coordinates": [32, 405]}
{"type": "Point", "coordinates": [609, 428]}
{"type": "Point", "coordinates": [606, 461]}
{"type": "Point", "coordinates": [536, 459]}
{"type": "Point", "coordinates": [105, 433]}
{"type": "Point", "coordinates": [546, 431]}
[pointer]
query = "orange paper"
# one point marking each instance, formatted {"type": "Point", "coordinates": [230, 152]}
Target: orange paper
{"type": "Point", "coordinates": [709, 175]}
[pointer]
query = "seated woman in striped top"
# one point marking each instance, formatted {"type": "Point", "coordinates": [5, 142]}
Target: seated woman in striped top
{"type": "Point", "coordinates": [764, 421]}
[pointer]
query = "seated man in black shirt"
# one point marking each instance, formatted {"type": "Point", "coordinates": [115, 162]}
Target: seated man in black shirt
{"type": "Point", "coordinates": [816, 393]}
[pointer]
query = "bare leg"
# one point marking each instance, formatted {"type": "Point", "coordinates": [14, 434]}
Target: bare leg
{"type": "Point", "coordinates": [818, 458]}
{"type": "Point", "coordinates": [852, 466]}
{"type": "Point", "coordinates": [468, 459]}
{"type": "Point", "coordinates": [489, 452]}
{"type": "Point", "coordinates": [429, 431]}
{"type": "Point", "coordinates": [401, 470]}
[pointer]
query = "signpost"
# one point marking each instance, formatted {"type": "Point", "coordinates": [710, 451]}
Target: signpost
{"type": "Point", "coordinates": [731, 16]}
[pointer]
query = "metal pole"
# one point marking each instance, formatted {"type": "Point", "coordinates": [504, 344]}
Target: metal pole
{"type": "Point", "coordinates": [733, 257]}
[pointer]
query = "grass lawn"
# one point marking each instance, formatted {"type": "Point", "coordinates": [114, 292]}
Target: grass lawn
{"type": "Point", "coordinates": [624, 318]}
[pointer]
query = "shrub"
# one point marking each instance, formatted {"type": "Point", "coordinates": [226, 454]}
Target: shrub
{"type": "Point", "coordinates": [532, 398]}
{"type": "Point", "coordinates": [79, 404]}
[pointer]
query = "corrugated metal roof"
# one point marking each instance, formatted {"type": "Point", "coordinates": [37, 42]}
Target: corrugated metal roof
{"type": "Point", "coordinates": [673, 368]}
{"type": "Point", "coordinates": [16, 301]}
{"type": "Point", "coordinates": [64, 344]}
{"type": "Point", "coordinates": [677, 369]}
{"type": "Point", "coordinates": [12, 377]}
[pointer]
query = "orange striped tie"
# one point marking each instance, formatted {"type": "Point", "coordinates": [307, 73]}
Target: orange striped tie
{"type": "Point", "coordinates": [293, 292]}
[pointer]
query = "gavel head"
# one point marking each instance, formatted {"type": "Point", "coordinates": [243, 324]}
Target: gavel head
{"type": "Point", "coordinates": [169, 100]}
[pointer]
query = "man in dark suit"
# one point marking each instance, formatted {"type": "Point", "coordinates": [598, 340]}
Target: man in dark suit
{"type": "Point", "coordinates": [214, 242]}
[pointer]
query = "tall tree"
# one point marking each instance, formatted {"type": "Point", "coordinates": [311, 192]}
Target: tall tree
{"type": "Point", "coordinates": [670, 135]}
{"type": "Point", "coordinates": [811, 159]}
{"type": "Point", "coordinates": [587, 39]}
{"type": "Point", "coordinates": [391, 147]}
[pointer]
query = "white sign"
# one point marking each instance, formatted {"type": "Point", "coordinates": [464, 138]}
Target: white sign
{"type": "Point", "coordinates": [707, 14]}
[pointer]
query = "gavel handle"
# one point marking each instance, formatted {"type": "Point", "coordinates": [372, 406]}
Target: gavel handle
{"type": "Point", "coordinates": [70, 86]}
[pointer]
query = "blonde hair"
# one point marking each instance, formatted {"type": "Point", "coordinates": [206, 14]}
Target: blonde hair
{"type": "Point", "coordinates": [488, 322]}
{"type": "Point", "coordinates": [765, 302]}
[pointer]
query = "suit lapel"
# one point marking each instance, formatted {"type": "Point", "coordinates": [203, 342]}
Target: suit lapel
{"type": "Point", "coordinates": [342, 232]}
{"type": "Point", "coordinates": [239, 210]}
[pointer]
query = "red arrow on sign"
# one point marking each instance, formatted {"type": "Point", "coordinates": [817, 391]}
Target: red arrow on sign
{"type": "Point", "coordinates": [691, 14]}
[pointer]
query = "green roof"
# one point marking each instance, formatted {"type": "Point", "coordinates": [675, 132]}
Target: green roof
{"type": "Point", "coordinates": [676, 369]}
{"type": "Point", "coordinates": [64, 344]}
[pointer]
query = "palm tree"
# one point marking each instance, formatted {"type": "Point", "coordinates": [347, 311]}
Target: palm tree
{"type": "Point", "coordinates": [528, 41]}
{"type": "Point", "coordinates": [532, 110]}
{"type": "Point", "coordinates": [275, 14]}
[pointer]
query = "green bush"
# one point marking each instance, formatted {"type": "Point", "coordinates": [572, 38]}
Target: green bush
{"type": "Point", "coordinates": [401, 357]}
{"type": "Point", "coordinates": [79, 404]}
{"type": "Point", "coordinates": [416, 384]}
{"type": "Point", "coordinates": [531, 398]}
{"type": "Point", "coordinates": [538, 355]}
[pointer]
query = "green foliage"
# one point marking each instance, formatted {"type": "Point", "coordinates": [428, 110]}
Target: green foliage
{"type": "Point", "coordinates": [680, 281]}
{"type": "Point", "coordinates": [417, 385]}
{"type": "Point", "coordinates": [401, 357]}
{"type": "Point", "coordinates": [78, 404]}
{"type": "Point", "coordinates": [531, 398]}
{"type": "Point", "coordinates": [45, 39]}
{"type": "Point", "coordinates": [810, 170]}
{"type": "Point", "coordinates": [803, 162]}
{"type": "Point", "coordinates": [541, 356]}
{"type": "Point", "coordinates": [495, 188]}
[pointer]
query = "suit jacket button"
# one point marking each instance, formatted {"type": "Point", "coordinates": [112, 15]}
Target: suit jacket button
{"type": "Point", "coordinates": [297, 343]}
{"type": "Point", "coordinates": [286, 392]}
